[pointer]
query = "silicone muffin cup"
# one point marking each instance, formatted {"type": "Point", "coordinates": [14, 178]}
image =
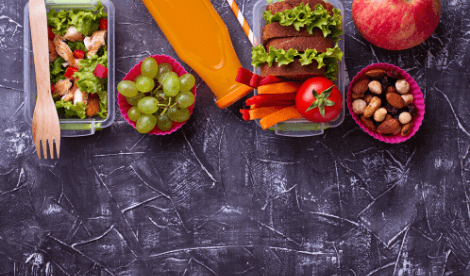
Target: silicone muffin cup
{"type": "Point", "coordinates": [414, 90]}
{"type": "Point", "coordinates": [133, 73]}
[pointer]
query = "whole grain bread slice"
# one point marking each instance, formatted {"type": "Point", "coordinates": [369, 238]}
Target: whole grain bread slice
{"type": "Point", "coordinates": [290, 4]}
{"type": "Point", "coordinates": [293, 71]}
{"type": "Point", "coordinates": [301, 43]}
{"type": "Point", "coordinates": [275, 30]}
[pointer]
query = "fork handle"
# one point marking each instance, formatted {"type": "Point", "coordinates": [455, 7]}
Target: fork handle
{"type": "Point", "coordinates": [39, 38]}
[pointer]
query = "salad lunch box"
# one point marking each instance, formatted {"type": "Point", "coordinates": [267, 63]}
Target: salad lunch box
{"type": "Point", "coordinates": [70, 127]}
{"type": "Point", "coordinates": [302, 127]}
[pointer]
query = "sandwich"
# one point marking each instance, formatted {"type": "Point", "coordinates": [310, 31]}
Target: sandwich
{"type": "Point", "coordinates": [300, 40]}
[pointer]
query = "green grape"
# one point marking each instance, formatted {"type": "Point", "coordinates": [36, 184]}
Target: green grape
{"type": "Point", "coordinates": [137, 78]}
{"type": "Point", "coordinates": [127, 88]}
{"type": "Point", "coordinates": [164, 123]}
{"type": "Point", "coordinates": [179, 114]}
{"type": "Point", "coordinates": [164, 68]}
{"type": "Point", "coordinates": [185, 99]}
{"type": "Point", "coordinates": [145, 84]}
{"type": "Point", "coordinates": [134, 100]}
{"type": "Point", "coordinates": [148, 105]}
{"type": "Point", "coordinates": [187, 82]}
{"type": "Point", "coordinates": [171, 86]}
{"type": "Point", "coordinates": [149, 67]}
{"type": "Point", "coordinates": [162, 77]}
{"type": "Point", "coordinates": [146, 123]}
{"type": "Point", "coordinates": [134, 114]}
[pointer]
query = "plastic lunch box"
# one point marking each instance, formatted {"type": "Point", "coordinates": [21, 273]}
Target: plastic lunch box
{"type": "Point", "coordinates": [70, 127]}
{"type": "Point", "coordinates": [302, 127]}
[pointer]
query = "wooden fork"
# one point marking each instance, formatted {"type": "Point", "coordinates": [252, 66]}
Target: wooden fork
{"type": "Point", "coordinates": [46, 125]}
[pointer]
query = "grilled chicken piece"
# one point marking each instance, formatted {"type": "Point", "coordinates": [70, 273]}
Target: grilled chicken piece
{"type": "Point", "coordinates": [70, 95]}
{"type": "Point", "coordinates": [94, 42]}
{"type": "Point", "coordinates": [52, 52]}
{"type": "Point", "coordinates": [80, 96]}
{"type": "Point", "coordinates": [64, 51]}
{"type": "Point", "coordinates": [93, 106]}
{"type": "Point", "coordinates": [62, 87]}
{"type": "Point", "coordinates": [73, 35]}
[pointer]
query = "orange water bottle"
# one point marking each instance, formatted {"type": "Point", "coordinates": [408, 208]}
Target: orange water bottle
{"type": "Point", "coordinates": [201, 40]}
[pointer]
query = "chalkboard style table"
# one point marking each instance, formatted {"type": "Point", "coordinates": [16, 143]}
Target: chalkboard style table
{"type": "Point", "coordinates": [223, 197]}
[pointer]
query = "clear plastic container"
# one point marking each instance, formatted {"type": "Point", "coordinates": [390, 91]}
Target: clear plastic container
{"type": "Point", "coordinates": [302, 127]}
{"type": "Point", "coordinates": [70, 127]}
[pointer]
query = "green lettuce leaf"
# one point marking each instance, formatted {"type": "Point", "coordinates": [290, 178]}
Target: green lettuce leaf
{"type": "Point", "coordinates": [328, 59]}
{"type": "Point", "coordinates": [86, 21]}
{"type": "Point", "coordinates": [68, 109]}
{"type": "Point", "coordinates": [56, 70]}
{"type": "Point", "coordinates": [59, 21]}
{"type": "Point", "coordinates": [77, 45]}
{"type": "Point", "coordinates": [303, 16]}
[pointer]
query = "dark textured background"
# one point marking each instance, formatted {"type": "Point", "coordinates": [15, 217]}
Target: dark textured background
{"type": "Point", "coordinates": [223, 197]}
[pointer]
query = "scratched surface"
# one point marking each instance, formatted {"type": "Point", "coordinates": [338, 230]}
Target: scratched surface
{"type": "Point", "coordinates": [222, 197]}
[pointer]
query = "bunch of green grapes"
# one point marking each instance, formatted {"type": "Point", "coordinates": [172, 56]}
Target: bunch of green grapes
{"type": "Point", "coordinates": [158, 96]}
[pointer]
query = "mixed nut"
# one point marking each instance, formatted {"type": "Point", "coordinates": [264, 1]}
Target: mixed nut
{"type": "Point", "coordinates": [384, 102]}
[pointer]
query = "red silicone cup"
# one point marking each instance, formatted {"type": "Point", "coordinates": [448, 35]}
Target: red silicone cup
{"type": "Point", "coordinates": [133, 73]}
{"type": "Point", "coordinates": [414, 90]}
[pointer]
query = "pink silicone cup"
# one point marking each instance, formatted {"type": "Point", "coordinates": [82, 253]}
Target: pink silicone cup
{"type": "Point", "coordinates": [415, 90]}
{"type": "Point", "coordinates": [133, 73]}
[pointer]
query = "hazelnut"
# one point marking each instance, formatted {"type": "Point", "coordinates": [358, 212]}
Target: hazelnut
{"type": "Point", "coordinates": [404, 118]}
{"type": "Point", "coordinates": [402, 86]}
{"type": "Point", "coordinates": [408, 99]}
{"type": "Point", "coordinates": [374, 104]}
{"type": "Point", "coordinates": [379, 115]}
{"type": "Point", "coordinates": [375, 87]}
{"type": "Point", "coordinates": [359, 106]}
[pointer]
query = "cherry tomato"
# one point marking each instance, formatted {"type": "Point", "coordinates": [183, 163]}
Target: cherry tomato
{"type": "Point", "coordinates": [319, 100]}
{"type": "Point", "coordinates": [103, 24]}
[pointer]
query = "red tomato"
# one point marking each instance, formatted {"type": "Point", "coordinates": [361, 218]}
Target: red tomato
{"type": "Point", "coordinates": [319, 100]}
{"type": "Point", "coordinates": [103, 24]}
{"type": "Point", "coordinates": [79, 54]}
{"type": "Point", "coordinates": [70, 72]}
{"type": "Point", "coordinates": [50, 33]}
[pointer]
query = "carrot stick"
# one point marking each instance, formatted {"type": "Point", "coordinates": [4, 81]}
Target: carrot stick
{"type": "Point", "coordinates": [262, 112]}
{"type": "Point", "coordinates": [280, 88]}
{"type": "Point", "coordinates": [280, 116]}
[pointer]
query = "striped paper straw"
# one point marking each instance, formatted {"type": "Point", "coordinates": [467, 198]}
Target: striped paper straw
{"type": "Point", "coordinates": [241, 20]}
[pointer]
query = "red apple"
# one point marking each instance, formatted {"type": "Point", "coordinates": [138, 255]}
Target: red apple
{"type": "Point", "coordinates": [396, 24]}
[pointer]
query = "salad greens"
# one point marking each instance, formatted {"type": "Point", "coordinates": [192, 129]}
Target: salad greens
{"type": "Point", "coordinates": [56, 70]}
{"type": "Point", "coordinates": [86, 21]}
{"type": "Point", "coordinates": [330, 58]}
{"type": "Point", "coordinates": [87, 81]}
{"type": "Point", "coordinates": [68, 109]}
{"type": "Point", "coordinates": [303, 16]}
